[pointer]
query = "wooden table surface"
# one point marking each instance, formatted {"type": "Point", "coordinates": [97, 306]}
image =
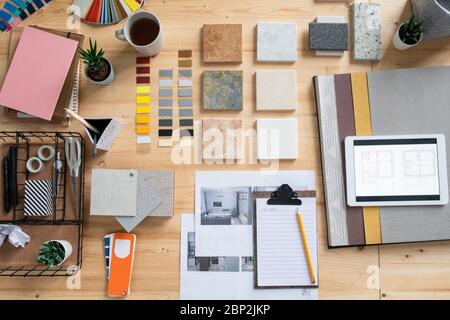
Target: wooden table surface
{"type": "Point", "coordinates": [408, 271]}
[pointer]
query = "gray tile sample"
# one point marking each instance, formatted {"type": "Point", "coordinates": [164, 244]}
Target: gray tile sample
{"type": "Point", "coordinates": [166, 73]}
{"type": "Point", "coordinates": [185, 92]}
{"type": "Point", "coordinates": [185, 102]}
{"type": "Point", "coordinates": [186, 112]}
{"type": "Point", "coordinates": [366, 31]}
{"type": "Point", "coordinates": [165, 92]}
{"type": "Point", "coordinates": [330, 19]}
{"type": "Point", "coordinates": [222, 90]}
{"type": "Point", "coordinates": [401, 106]}
{"type": "Point", "coordinates": [328, 36]}
{"type": "Point", "coordinates": [185, 73]}
{"type": "Point", "coordinates": [165, 112]}
{"type": "Point", "coordinates": [276, 42]}
{"type": "Point", "coordinates": [165, 103]}
{"type": "Point", "coordinates": [185, 83]}
{"type": "Point", "coordinates": [165, 122]}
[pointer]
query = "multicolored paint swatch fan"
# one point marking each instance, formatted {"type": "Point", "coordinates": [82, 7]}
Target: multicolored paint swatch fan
{"type": "Point", "coordinates": [105, 11]}
{"type": "Point", "coordinates": [15, 11]}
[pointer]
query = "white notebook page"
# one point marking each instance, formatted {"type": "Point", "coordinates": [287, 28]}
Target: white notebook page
{"type": "Point", "coordinates": [281, 259]}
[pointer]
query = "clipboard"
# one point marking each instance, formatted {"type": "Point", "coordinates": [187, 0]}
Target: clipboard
{"type": "Point", "coordinates": [283, 196]}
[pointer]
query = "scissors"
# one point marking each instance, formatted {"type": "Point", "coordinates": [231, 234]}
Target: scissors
{"type": "Point", "coordinates": [73, 158]}
{"type": "Point", "coordinates": [57, 165]}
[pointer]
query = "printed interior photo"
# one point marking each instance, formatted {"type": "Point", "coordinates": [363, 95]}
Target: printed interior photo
{"type": "Point", "coordinates": [247, 264]}
{"type": "Point", "coordinates": [221, 264]}
{"type": "Point", "coordinates": [226, 206]}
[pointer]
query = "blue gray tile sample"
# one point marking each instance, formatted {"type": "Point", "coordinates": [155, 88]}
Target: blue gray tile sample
{"type": "Point", "coordinates": [276, 42]}
{"type": "Point", "coordinates": [165, 103]}
{"type": "Point", "coordinates": [185, 102]}
{"type": "Point", "coordinates": [328, 36]}
{"type": "Point", "coordinates": [185, 73]}
{"type": "Point", "coordinates": [186, 112]}
{"type": "Point", "coordinates": [366, 31]}
{"type": "Point", "coordinates": [165, 92]}
{"type": "Point", "coordinates": [165, 112]}
{"type": "Point", "coordinates": [222, 90]}
{"type": "Point", "coordinates": [185, 92]}
{"type": "Point", "coordinates": [166, 73]}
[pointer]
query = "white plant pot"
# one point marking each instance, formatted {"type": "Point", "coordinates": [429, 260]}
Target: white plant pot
{"type": "Point", "coordinates": [107, 80]}
{"type": "Point", "coordinates": [67, 250]}
{"type": "Point", "coordinates": [398, 42]}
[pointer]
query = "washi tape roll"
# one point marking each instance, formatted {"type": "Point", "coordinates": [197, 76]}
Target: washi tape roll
{"type": "Point", "coordinates": [31, 165]}
{"type": "Point", "coordinates": [42, 151]}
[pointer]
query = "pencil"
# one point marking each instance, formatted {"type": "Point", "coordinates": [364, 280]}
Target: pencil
{"type": "Point", "coordinates": [305, 245]}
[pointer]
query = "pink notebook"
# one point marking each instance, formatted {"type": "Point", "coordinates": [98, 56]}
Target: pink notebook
{"type": "Point", "coordinates": [37, 73]}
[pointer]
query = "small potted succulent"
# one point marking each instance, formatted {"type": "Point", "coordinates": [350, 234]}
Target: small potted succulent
{"type": "Point", "coordinates": [53, 253]}
{"type": "Point", "coordinates": [409, 34]}
{"type": "Point", "coordinates": [97, 68]}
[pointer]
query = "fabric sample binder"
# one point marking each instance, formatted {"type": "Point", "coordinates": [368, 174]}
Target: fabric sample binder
{"type": "Point", "coordinates": [379, 103]}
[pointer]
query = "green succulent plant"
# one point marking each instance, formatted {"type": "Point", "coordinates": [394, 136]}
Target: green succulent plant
{"type": "Point", "coordinates": [412, 31]}
{"type": "Point", "coordinates": [51, 253]}
{"type": "Point", "coordinates": [91, 57]}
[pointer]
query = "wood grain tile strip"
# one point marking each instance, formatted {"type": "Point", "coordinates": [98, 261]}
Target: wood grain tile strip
{"type": "Point", "coordinates": [363, 126]}
{"type": "Point", "coordinates": [346, 125]}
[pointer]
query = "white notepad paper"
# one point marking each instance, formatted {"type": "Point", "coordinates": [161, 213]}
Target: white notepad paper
{"type": "Point", "coordinates": [280, 253]}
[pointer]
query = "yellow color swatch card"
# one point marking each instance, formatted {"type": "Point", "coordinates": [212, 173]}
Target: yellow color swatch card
{"type": "Point", "coordinates": [142, 99]}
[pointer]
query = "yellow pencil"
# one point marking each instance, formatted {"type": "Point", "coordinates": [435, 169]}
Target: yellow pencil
{"type": "Point", "coordinates": [305, 245]}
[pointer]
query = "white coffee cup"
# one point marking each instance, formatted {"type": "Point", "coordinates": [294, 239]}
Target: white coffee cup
{"type": "Point", "coordinates": [150, 49]}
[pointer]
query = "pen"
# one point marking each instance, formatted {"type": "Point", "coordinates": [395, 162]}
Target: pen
{"type": "Point", "coordinates": [305, 245]}
{"type": "Point", "coordinates": [6, 190]}
{"type": "Point", "coordinates": [13, 175]}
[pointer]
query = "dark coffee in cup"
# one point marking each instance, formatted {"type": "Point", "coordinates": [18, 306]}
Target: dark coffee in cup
{"type": "Point", "coordinates": [144, 31]}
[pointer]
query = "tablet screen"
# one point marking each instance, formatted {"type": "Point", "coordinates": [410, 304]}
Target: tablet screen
{"type": "Point", "coordinates": [396, 170]}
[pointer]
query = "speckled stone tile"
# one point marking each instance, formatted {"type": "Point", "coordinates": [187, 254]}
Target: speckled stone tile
{"type": "Point", "coordinates": [330, 19]}
{"type": "Point", "coordinates": [222, 43]}
{"type": "Point", "coordinates": [276, 42]}
{"type": "Point", "coordinates": [276, 90]}
{"type": "Point", "coordinates": [328, 36]}
{"type": "Point", "coordinates": [366, 31]}
{"type": "Point", "coordinates": [222, 139]}
{"type": "Point", "coordinates": [222, 90]}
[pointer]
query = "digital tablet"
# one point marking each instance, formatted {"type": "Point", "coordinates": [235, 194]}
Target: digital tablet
{"type": "Point", "coordinates": [396, 170]}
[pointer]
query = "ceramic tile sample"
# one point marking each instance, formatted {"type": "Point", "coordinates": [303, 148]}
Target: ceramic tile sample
{"type": "Point", "coordinates": [276, 90]}
{"type": "Point", "coordinates": [330, 19]}
{"type": "Point", "coordinates": [276, 42]}
{"type": "Point", "coordinates": [222, 43]}
{"type": "Point", "coordinates": [113, 192]}
{"type": "Point", "coordinates": [276, 138]}
{"type": "Point", "coordinates": [222, 90]}
{"type": "Point", "coordinates": [222, 139]}
{"type": "Point", "coordinates": [185, 92]}
{"type": "Point", "coordinates": [328, 36]}
{"type": "Point", "coordinates": [366, 31]}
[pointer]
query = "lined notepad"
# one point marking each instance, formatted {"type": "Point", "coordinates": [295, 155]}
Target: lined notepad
{"type": "Point", "coordinates": [280, 254]}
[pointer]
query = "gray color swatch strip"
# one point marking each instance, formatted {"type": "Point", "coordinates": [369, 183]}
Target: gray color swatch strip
{"type": "Point", "coordinates": [185, 83]}
{"type": "Point", "coordinates": [165, 112]}
{"type": "Point", "coordinates": [166, 73]}
{"type": "Point", "coordinates": [165, 122]}
{"type": "Point", "coordinates": [186, 112]}
{"type": "Point", "coordinates": [185, 102]}
{"type": "Point", "coordinates": [185, 73]}
{"type": "Point", "coordinates": [165, 92]}
{"type": "Point", "coordinates": [186, 122]}
{"type": "Point", "coordinates": [165, 103]}
{"type": "Point", "coordinates": [165, 83]}
{"type": "Point", "coordinates": [185, 92]}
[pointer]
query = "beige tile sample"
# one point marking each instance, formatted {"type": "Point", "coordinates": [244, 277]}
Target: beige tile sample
{"type": "Point", "coordinates": [222, 139]}
{"type": "Point", "coordinates": [276, 90]}
{"type": "Point", "coordinates": [113, 192]}
{"type": "Point", "coordinates": [276, 139]}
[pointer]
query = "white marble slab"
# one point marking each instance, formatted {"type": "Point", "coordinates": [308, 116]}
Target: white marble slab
{"type": "Point", "coordinates": [276, 42]}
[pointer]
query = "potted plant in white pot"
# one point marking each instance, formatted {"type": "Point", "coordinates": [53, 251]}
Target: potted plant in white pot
{"type": "Point", "coordinates": [97, 68]}
{"type": "Point", "coordinates": [53, 253]}
{"type": "Point", "coordinates": [409, 34]}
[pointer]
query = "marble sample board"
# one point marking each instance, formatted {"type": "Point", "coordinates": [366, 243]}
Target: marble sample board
{"type": "Point", "coordinates": [276, 42]}
{"type": "Point", "coordinates": [223, 90]}
{"type": "Point", "coordinates": [276, 90]}
{"type": "Point", "coordinates": [276, 139]}
{"type": "Point", "coordinates": [222, 43]}
{"type": "Point", "coordinates": [328, 36]}
{"type": "Point", "coordinates": [366, 31]}
{"type": "Point", "coordinates": [222, 139]}
{"type": "Point", "coordinates": [380, 103]}
{"type": "Point", "coordinates": [154, 197]}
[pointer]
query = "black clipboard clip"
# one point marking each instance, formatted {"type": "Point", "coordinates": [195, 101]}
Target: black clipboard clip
{"type": "Point", "coordinates": [285, 195]}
